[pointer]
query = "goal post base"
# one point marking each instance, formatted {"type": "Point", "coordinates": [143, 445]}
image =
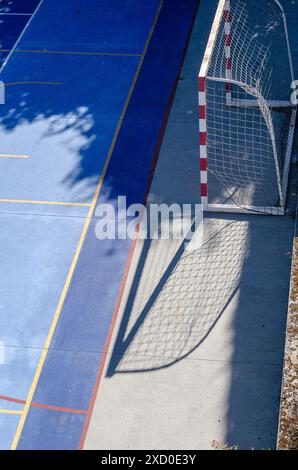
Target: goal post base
{"type": "Point", "coordinates": [231, 209]}
{"type": "Point", "coordinates": [262, 210]}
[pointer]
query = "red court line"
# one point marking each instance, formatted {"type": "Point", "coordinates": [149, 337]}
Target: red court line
{"type": "Point", "coordinates": [133, 245]}
{"type": "Point", "coordinates": [40, 405]}
{"type": "Point", "coordinates": [106, 348]}
{"type": "Point", "coordinates": [124, 279]}
{"type": "Point", "coordinates": [125, 275]}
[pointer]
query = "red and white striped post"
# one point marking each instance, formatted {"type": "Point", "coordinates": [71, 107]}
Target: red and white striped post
{"type": "Point", "coordinates": [228, 57]}
{"type": "Point", "coordinates": [203, 139]}
{"type": "Point", "coordinates": [223, 12]}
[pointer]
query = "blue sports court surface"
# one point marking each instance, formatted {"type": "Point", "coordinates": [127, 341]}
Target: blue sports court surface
{"type": "Point", "coordinates": [88, 85]}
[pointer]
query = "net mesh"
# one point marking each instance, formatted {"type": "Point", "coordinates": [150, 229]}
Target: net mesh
{"type": "Point", "coordinates": [247, 136]}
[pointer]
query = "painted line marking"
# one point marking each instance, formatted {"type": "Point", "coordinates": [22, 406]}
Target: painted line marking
{"type": "Point", "coordinates": [130, 257]}
{"type": "Point", "coordinates": [11, 412]}
{"type": "Point", "coordinates": [81, 241]}
{"type": "Point", "coordinates": [11, 399]}
{"type": "Point", "coordinates": [50, 203]}
{"type": "Point", "coordinates": [40, 405]}
{"type": "Point", "coordinates": [59, 408]}
{"type": "Point", "coordinates": [11, 155]}
{"type": "Point", "coordinates": [15, 14]}
{"type": "Point", "coordinates": [30, 83]}
{"type": "Point", "coordinates": [46, 51]}
{"type": "Point", "coordinates": [107, 344]}
{"type": "Point", "coordinates": [20, 37]}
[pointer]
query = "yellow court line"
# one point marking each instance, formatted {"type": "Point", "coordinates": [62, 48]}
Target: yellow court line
{"type": "Point", "coordinates": [81, 241]}
{"type": "Point", "coordinates": [50, 203]}
{"type": "Point", "coordinates": [45, 51]}
{"type": "Point", "coordinates": [11, 412]}
{"type": "Point", "coordinates": [11, 155]}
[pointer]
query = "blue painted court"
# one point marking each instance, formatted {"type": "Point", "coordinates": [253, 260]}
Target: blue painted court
{"type": "Point", "coordinates": [88, 87]}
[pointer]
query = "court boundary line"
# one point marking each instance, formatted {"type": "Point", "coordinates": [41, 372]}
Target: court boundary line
{"type": "Point", "coordinates": [6, 84]}
{"type": "Point", "coordinates": [12, 50]}
{"type": "Point", "coordinates": [14, 14]}
{"type": "Point", "coordinates": [10, 412]}
{"type": "Point", "coordinates": [43, 406]}
{"type": "Point", "coordinates": [48, 203]}
{"type": "Point", "coordinates": [134, 242]}
{"type": "Point", "coordinates": [87, 53]}
{"type": "Point", "coordinates": [56, 317]}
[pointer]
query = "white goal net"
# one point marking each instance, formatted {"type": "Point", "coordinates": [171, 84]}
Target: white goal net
{"type": "Point", "coordinates": [247, 119]}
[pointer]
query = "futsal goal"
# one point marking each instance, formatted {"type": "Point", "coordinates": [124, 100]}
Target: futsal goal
{"type": "Point", "coordinates": [246, 116]}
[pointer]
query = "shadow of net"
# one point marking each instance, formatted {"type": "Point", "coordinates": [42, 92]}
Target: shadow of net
{"type": "Point", "coordinates": [177, 296]}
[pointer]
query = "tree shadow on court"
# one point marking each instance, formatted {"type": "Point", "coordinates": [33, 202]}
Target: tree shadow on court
{"type": "Point", "coordinates": [177, 297]}
{"type": "Point", "coordinates": [15, 6]}
{"type": "Point", "coordinates": [69, 118]}
{"type": "Point", "coordinates": [46, 117]}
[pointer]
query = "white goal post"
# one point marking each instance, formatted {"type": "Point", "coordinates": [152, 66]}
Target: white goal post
{"type": "Point", "coordinates": [246, 116]}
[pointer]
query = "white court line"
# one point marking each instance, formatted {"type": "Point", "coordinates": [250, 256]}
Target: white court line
{"type": "Point", "coordinates": [20, 37]}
